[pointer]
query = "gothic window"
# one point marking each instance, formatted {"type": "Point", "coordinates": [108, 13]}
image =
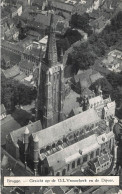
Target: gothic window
{"type": "Point", "coordinates": [92, 155]}
{"type": "Point", "coordinates": [68, 167]}
{"type": "Point", "coordinates": [58, 174]}
{"type": "Point", "coordinates": [73, 165]}
{"type": "Point", "coordinates": [78, 162]}
{"type": "Point", "coordinates": [53, 145]}
{"type": "Point", "coordinates": [63, 172]}
{"type": "Point", "coordinates": [85, 158]}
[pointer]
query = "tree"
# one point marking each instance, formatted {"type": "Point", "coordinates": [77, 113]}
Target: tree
{"type": "Point", "coordinates": [81, 22]}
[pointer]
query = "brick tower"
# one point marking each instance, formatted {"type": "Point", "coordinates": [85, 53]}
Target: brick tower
{"type": "Point", "coordinates": [50, 83]}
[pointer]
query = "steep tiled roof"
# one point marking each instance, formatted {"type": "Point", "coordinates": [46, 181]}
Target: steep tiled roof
{"type": "Point", "coordinates": [19, 134]}
{"type": "Point", "coordinates": [7, 124]}
{"type": "Point", "coordinates": [65, 127]}
{"type": "Point", "coordinates": [18, 168]}
{"type": "Point", "coordinates": [13, 57]}
{"type": "Point", "coordinates": [12, 72]}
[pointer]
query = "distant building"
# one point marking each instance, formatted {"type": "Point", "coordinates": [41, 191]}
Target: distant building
{"type": "Point", "coordinates": [26, 67]}
{"type": "Point", "coordinates": [64, 8]}
{"type": "Point", "coordinates": [3, 112]}
{"type": "Point", "coordinates": [12, 72]}
{"type": "Point", "coordinates": [101, 163]}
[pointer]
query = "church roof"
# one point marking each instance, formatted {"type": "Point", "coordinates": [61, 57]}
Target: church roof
{"type": "Point", "coordinates": [74, 151]}
{"type": "Point", "coordinates": [19, 134]}
{"type": "Point", "coordinates": [71, 153]}
{"type": "Point", "coordinates": [65, 127]}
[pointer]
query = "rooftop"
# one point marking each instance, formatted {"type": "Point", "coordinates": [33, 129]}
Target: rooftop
{"type": "Point", "coordinates": [12, 57]}
{"type": "Point", "coordinates": [65, 127]}
{"type": "Point", "coordinates": [68, 154]}
{"type": "Point", "coordinates": [19, 134]}
{"type": "Point", "coordinates": [2, 109]}
{"type": "Point", "coordinates": [7, 125]}
{"type": "Point", "coordinates": [12, 72]}
{"type": "Point", "coordinates": [8, 162]}
{"type": "Point", "coordinates": [26, 64]}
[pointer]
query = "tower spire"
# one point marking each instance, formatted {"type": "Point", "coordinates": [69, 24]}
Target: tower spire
{"type": "Point", "coordinates": [51, 51]}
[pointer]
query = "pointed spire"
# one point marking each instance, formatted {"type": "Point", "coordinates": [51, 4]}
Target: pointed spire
{"type": "Point", "coordinates": [51, 52]}
{"type": "Point", "coordinates": [26, 131]}
{"type": "Point", "coordinates": [36, 139]}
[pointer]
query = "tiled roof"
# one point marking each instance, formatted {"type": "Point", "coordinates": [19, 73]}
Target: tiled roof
{"type": "Point", "coordinates": [87, 77]}
{"type": "Point", "coordinates": [13, 57]}
{"type": "Point", "coordinates": [65, 127]}
{"type": "Point", "coordinates": [18, 168]}
{"type": "Point", "coordinates": [7, 124]}
{"type": "Point", "coordinates": [70, 102]}
{"type": "Point", "coordinates": [62, 6]}
{"type": "Point", "coordinates": [20, 77]}
{"type": "Point", "coordinates": [26, 64]}
{"type": "Point", "coordinates": [70, 153]}
{"type": "Point", "coordinates": [103, 159]}
{"type": "Point", "coordinates": [12, 72]}
{"type": "Point", "coordinates": [19, 134]}
{"type": "Point", "coordinates": [44, 19]}
{"type": "Point", "coordinates": [2, 108]}
{"type": "Point", "coordinates": [57, 190]}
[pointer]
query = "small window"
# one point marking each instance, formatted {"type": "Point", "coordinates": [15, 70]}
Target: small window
{"type": "Point", "coordinates": [73, 164]}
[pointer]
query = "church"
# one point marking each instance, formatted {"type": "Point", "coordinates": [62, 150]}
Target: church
{"type": "Point", "coordinates": [54, 146]}
{"type": "Point", "coordinates": [50, 84]}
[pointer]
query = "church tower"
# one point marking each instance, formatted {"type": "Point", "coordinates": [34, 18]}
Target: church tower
{"type": "Point", "coordinates": [50, 83]}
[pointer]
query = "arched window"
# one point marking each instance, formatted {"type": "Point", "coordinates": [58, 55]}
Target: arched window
{"type": "Point", "coordinates": [73, 164]}
{"type": "Point", "coordinates": [78, 162]}
{"type": "Point", "coordinates": [53, 145]}
{"type": "Point", "coordinates": [63, 172]}
{"type": "Point", "coordinates": [58, 174]}
{"type": "Point", "coordinates": [68, 167]}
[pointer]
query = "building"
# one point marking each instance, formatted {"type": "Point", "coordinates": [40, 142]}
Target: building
{"type": "Point", "coordinates": [63, 8]}
{"type": "Point", "coordinates": [50, 85]}
{"type": "Point", "coordinates": [113, 61]}
{"type": "Point", "coordinates": [101, 163]}
{"type": "Point", "coordinates": [12, 72]}
{"type": "Point", "coordinates": [72, 144]}
{"type": "Point", "coordinates": [3, 112]}
{"type": "Point", "coordinates": [26, 67]}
